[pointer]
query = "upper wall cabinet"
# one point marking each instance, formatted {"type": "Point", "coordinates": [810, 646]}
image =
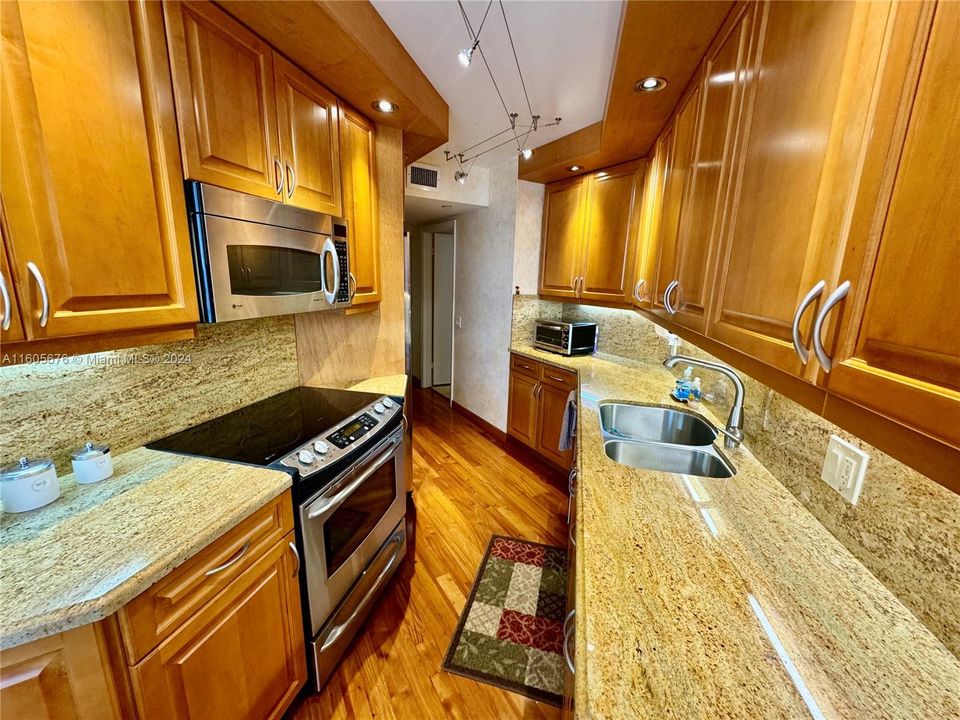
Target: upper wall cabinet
{"type": "Point", "coordinates": [590, 228]}
{"type": "Point", "coordinates": [96, 220]}
{"type": "Point", "coordinates": [899, 349]}
{"type": "Point", "coordinates": [358, 155]}
{"type": "Point", "coordinates": [249, 120]}
{"type": "Point", "coordinates": [645, 264]}
{"type": "Point", "coordinates": [11, 323]}
{"type": "Point", "coordinates": [808, 100]}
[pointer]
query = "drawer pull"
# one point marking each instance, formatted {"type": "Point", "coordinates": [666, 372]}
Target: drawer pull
{"type": "Point", "coordinates": [555, 377]}
{"type": "Point", "coordinates": [232, 561]}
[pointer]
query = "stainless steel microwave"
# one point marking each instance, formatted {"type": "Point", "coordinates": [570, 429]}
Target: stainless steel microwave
{"type": "Point", "coordinates": [255, 257]}
{"type": "Point", "coordinates": [578, 338]}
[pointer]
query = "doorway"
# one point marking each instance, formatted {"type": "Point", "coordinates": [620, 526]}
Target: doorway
{"type": "Point", "coordinates": [433, 291]}
{"type": "Point", "coordinates": [443, 269]}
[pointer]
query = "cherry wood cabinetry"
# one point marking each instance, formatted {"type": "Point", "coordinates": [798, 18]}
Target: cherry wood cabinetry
{"type": "Point", "coordinates": [358, 160]}
{"type": "Point", "coordinates": [536, 407]}
{"type": "Point", "coordinates": [899, 342]}
{"type": "Point", "coordinates": [590, 229]}
{"type": "Point", "coordinates": [96, 224]}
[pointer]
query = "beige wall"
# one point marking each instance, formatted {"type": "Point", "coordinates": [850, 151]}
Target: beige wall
{"type": "Point", "coordinates": [905, 527]}
{"type": "Point", "coordinates": [526, 249]}
{"type": "Point", "coordinates": [337, 349]}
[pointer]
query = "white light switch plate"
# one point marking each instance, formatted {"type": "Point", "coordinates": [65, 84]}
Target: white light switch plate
{"type": "Point", "coordinates": [844, 468]}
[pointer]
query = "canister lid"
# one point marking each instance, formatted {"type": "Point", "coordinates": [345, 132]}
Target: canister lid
{"type": "Point", "coordinates": [25, 467]}
{"type": "Point", "coordinates": [89, 451]}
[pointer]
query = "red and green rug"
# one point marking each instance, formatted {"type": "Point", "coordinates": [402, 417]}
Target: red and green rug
{"type": "Point", "coordinates": [510, 633]}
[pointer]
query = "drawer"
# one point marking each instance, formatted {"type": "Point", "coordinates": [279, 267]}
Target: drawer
{"type": "Point", "coordinates": [561, 378]}
{"type": "Point", "coordinates": [155, 613]}
{"type": "Point", "coordinates": [520, 364]}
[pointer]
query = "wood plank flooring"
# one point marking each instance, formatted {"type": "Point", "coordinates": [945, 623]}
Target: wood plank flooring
{"type": "Point", "coordinates": [466, 488]}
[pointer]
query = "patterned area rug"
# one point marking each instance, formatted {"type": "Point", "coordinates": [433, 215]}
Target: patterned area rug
{"type": "Point", "coordinates": [510, 633]}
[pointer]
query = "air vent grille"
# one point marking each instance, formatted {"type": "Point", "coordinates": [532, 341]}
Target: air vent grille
{"type": "Point", "coordinates": [423, 176]}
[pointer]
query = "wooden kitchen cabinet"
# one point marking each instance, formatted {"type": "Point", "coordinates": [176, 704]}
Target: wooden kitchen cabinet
{"type": "Point", "coordinates": [360, 208]}
{"type": "Point", "coordinates": [11, 324]}
{"type": "Point", "coordinates": [645, 260]}
{"type": "Point", "coordinates": [808, 102]}
{"type": "Point", "coordinates": [96, 224]}
{"type": "Point", "coordinates": [242, 655]}
{"type": "Point", "coordinates": [899, 348]}
{"type": "Point", "coordinates": [536, 406]}
{"type": "Point", "coordinates": [564, 218]}
{"type": "Point", "coordinates": [308, 116]}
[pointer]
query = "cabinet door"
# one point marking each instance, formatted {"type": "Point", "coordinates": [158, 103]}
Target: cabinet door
{"type": "Point", "coordinates": [241, 656]}
{"type": "Point", "coordinates": [358, 173]}
{"type": "Point", "coordinates": [679, 139]}
{"type": "Point", "coordinates": [551, 407]}
{"type": "Point", "coordinates": [645, 263]}
{"type": "Point", "coordinates": [90, 173]}
{"type": "Point", "coordinates": [11, 326]}
{"type": "Point", "coordinates": [226, 107]}
{"type": "Point", "coordinates": [808, 100]}
{"type": "Point", "coordinates": [702, 214]}
{"type": "Point", "coordinates": [611, 235]}
{"type": "Point", "coordinates": [522, 410]}
{"type": "Point", "coordinates": [900, 353]}
{"type": "Point", "coordinates": [309, 140]}
{"type": "Point", "coordinates": [564, 204]}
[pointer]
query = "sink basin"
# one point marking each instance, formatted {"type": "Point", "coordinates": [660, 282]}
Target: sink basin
{"type": "Point", "coordinates": [669, 458]}
{"type": "Point", "coordinates": [655, 424]}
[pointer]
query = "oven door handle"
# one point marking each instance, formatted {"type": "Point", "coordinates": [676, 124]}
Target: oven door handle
{"type": "Point", "coordinates": [339, 629]}
{"type": "Point", "coordinates": [329, 248]}
{"type": "Point", "coordinates": [329, 504]}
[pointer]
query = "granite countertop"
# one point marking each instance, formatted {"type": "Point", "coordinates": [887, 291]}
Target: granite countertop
{"type": "Point", "coordinates": [83, 557]}
{"type": "Point", "coordinates": [677, 577]}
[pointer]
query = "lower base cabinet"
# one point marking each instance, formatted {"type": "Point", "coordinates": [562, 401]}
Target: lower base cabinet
{"type": "Point", "coordinates": [539, 395]}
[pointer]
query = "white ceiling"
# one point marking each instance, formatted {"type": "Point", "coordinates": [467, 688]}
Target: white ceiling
{"type": "Point", "coordinates": [565, 49]}
{"type": "Point", "coordinates": [418, 210]}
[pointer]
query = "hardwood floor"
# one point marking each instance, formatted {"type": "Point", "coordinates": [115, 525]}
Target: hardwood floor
{"type": "Point", "coordinates": [466, 488]}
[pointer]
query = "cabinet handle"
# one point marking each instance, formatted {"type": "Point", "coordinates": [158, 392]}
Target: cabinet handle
{"type": "Point", "coordinates": [826, 362]}
{"type": "Point", "coordinates": [555, 377]}
{"type": "Point", "coordinates": [291, 180]}
{"type": "Point", "coordinates": [232, 561]}
{"type": "Point", "coordinates": [38, 276]}
{"type": "Point", "coordinates": [353, 286]}
{"type": "Point", "coordinates": [666, 297]}
{"type": "Point", "coordinates": [536, 390]}
{"type": "Point", "coordinates": [277, 176]}
{"type": "Point", "coordinates": [636, 290]}
{"type": "Point", "coordinates": [296, 555]}
{"type": "Point", "coordinates": [567, 636]}
{"type": "Point", "coordinates": [815, 292]}
{"type": "Point", "coordinates": [5, 325]}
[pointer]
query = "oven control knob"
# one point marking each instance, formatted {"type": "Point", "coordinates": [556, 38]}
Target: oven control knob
{"type": "Point", "coordinates": [321, 447]}
{"type": "Point", "coordinates": [388, 403]}
{"type": "Point", "coordinates": [378, 408]}
{"type": "Point", "coordinates": [306, 457]}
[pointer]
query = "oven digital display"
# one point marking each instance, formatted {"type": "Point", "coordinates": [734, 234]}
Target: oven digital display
{"type": "Point", "coordinates": [353, 431]}
{"type": "Point", "coordinates": [351, 428]}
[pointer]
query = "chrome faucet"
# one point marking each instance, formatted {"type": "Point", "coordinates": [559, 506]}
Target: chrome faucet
{"type": "Point", "coordinates": [734, 430]}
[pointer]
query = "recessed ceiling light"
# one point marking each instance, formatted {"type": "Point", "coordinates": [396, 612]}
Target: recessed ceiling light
{"type": "Point", "coordinates": [446, 206]}
{"type": "Point", "coordinates": [650, 84]}
{"type": "Point", "coordinates": [384, 106]}
{"type": "Point", "coordinates": [574, 168]}
{"type": "Point", "coordinates": [527, 153]}
{"type": "Point", "coordinates": [602, 174]}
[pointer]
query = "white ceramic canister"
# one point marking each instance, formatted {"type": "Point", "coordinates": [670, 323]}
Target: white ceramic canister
{"type": "Point", "coordinates": [91, 463]}
{"type": "Point", "coordinates": [28, 484]}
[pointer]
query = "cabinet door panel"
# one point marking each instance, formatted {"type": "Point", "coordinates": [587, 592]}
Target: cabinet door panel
{"type": "Point", "coordinates": [563, 226]}
{"type": "Point", "coordinates": [552, 404]}
{"type": "Point", "coordinates": [309, 140]}
{"type": "Point", "coordinates": [226, 108]}
{"type": "Point", "coordinates": [807, 107]}
{"type": "Point", "coordinates": [522, 411]}
{"type": "Point", "coordinates": [241, 656]}
{"type": "Point", "coordinates": [611, 233]}
{"type": "Point", "coordinates": [358, 162]}
{"type": "Point", "coordinates": [703, 207]}
{"type": "Point", "coordinates": [645, 266]}
{"type": "Point", "coordinates": [10, 312]}
{"type": "Point", "coordinates": [680, 141]}
{"type": "Point", "coordinates": [92, 189]}
{"type": "Point", "coordinates": [902, 356]}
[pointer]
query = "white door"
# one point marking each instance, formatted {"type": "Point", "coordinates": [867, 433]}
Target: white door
{"type": "Point", "coordinates": [442, 308]}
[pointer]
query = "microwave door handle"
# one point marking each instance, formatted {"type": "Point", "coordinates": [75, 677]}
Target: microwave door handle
{"type": "Point", "coordinates": [330, 249]}
{"type": "Point", "coordinates": [551, 325]}
{"type": "Point", "coordinates": [328, 505]}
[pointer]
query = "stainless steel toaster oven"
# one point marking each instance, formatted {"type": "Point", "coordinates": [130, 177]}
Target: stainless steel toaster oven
{"type": "Point", "coordinates": [577, 338]}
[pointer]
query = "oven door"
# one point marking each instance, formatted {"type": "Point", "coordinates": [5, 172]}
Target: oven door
{"type": "Point", "coordinates": [552, 337]}
{"type": "Point", "coordinates": [346, 523]}
{"type": "Point", "coordinates": [258, 270]}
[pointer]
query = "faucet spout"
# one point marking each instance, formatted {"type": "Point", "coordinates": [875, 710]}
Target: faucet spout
{"type": "Point", "coordinates": [733, 433]}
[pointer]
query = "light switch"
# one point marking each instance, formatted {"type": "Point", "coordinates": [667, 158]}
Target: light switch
{"type": "Point", "coordinates": [459, 321]}
{"type": "Point", "coordinates": [844, 468]}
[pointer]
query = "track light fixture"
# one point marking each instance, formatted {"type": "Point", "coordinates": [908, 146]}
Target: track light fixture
{"type": "Point", "coordinates": [465, 56]}
{"type": "Point", "coordinates": [460, 176]}
{"type": "Point", "coordinates": [527, 153]}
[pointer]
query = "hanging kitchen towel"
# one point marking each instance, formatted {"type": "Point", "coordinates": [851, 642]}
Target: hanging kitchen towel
{"type": "Point", "coordinates": [568, 431]}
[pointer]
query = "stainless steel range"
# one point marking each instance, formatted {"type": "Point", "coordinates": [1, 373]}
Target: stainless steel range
{"type": "Point", "coordinates": [345, 452]}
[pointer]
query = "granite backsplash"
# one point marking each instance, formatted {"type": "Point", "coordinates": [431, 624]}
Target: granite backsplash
{"type": "Point", "coordinates": [905, 527]}
{"type": "Point", "coordinates": [126, 398]}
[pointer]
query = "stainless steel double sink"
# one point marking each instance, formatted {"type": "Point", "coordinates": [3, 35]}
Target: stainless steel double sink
{"type": "Point", "coordinates": [664, 439]}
